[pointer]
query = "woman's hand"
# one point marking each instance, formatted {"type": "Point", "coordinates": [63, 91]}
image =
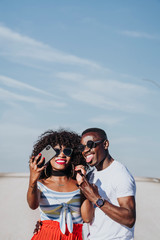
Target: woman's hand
{"type": "Point", "coordinates": [35, 170]}
{"type": "Point", "coordinates": [81, 173]}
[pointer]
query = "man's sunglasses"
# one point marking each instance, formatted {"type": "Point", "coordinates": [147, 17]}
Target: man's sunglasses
{"type": "Point", "coordinates": [67, 151]}
{"type": "Point", "coordinates": [90, 144]}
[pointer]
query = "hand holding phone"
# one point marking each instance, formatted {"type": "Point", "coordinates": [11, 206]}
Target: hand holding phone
{"type": "Point", "coordinates": [47, 154]}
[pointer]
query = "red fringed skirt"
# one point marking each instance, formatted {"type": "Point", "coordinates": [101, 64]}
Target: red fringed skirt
{"type": "Point", "coordinates": [50, 230]}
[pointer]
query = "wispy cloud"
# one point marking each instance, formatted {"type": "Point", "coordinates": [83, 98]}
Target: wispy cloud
{"type": "Point", "coordinates": [105, 102]}
{"type": "Point", "coordinates": [136, 34]}
{"type": "Point", "coordinates": [9, 96]}
{"type": "Point", "coordinates": [114, 86]}
{"type": "Point", "coordinates": [108, 94]}
{"type": "Point", "coordinates": [17, 46]}
{"type": "Point", "coordinates": [10, 82]}
{"type": "Point", "coordinates": [71, 76]}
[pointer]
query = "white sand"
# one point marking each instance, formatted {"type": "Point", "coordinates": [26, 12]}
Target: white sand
{"type": "Point", "coordinates": [18, 220]}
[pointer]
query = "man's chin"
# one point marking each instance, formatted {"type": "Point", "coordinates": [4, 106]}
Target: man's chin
{"type": "Point", "coordinates": [92, 164]}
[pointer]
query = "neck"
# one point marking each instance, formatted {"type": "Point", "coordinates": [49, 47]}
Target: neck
{"type": "Point", "coordinates": [105, 163]}
{"type": "Point", "coordinates": [58, 173]}
{"type": "Point", "coordinates": [59, 180]}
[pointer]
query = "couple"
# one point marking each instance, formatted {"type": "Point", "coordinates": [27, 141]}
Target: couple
{"type": "Point", "coordinates": [105, 198]}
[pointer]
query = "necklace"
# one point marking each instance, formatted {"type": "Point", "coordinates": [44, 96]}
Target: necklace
{"type": "Point", "coordinates": [60, 184]}
{"type": "Point", "coordinates": [58, 173]}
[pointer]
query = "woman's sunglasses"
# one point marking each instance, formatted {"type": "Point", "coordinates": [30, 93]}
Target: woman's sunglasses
{"type": "Point", "coordinates": [90, 144]}
{"type": "Point", "coordinates": [67, 151]}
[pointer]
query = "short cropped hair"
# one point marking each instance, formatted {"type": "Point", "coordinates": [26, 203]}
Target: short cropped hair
{"type": "Point", "coordinates": [101, 132]}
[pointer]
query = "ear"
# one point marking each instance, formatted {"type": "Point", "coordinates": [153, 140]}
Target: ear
{"type": "Point", "coordinates": [106, 144]}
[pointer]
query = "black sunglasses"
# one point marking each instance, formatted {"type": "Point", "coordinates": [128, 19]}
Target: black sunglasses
{"type": "Point", "coordinates": [90, 144]}
{"type": "Point", "coordinates": [67, 151]}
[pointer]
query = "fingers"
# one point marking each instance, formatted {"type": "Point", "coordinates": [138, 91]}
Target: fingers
{"type": "Point", "coordinates": [80, 169]}
{"type": "Point", "coordinates": [38, 227]}
{"type": "Point", "coordinates": [36, 161]}
{"type": "Point", "coordinates": [35, 231]}
{"type": "Point", "coordinates": [41, 161]}
{"type": "Point", "coordinates": [79, 178]}
{"type": "Point", "coordinates": [41, 169]}
{"type": "Point", "coordinates": [90, 191]}
{"type": "Point", "coordinates": [38, 169]}
{"type": "Point", "coordinates": [81, 172]}
{"type": "Point", "coordinates": [36, 166]}
{"type": "Point", "coordinates": [31, 160]}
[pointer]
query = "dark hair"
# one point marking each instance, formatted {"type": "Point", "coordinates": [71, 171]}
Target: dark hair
{"type": "Point", "coordinates": [61, 137]}
{"type": "Point", "coordinates": [101, 132]}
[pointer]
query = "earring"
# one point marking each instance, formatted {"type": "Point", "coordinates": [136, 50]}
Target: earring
{"type": "Point", "coordinates": [72, 171]}
{"type": "Point", "coordinates": [45, 172]}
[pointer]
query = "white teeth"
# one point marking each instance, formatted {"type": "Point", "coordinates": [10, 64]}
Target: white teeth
{"type": "Point", "coordinates": [60, 161]}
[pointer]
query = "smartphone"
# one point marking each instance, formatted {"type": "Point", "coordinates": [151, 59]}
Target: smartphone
{"type": "Point", "coordinates": [47, 153]}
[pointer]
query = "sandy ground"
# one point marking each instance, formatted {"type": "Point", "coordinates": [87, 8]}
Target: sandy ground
{"type": "Point", "coordinates": [18, 220]}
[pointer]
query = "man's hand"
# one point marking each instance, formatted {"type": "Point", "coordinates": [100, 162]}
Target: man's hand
{"type": "Point", "coordinates": [38, 227]}
{"type": "Point", "coordinates": [124, 214]}
{"type": "Point", "coordinates": [81, 173]}
{"type": "Point", "coordinates": [89, 190]}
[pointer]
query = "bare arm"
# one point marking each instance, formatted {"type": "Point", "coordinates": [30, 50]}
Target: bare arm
{"type": "Point", "coordinates": [87, 208]}
{"type": "Point", "coordinates": [124, 214]}
{"type": "Point", "coordinates": [33, 192]}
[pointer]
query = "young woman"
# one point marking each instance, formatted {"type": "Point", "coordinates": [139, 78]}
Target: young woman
{"type": "Point", "coordinates": [54, 190]}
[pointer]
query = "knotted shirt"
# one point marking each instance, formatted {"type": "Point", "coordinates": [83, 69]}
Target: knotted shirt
{"type": "Point", "coordinates": [63, 207]}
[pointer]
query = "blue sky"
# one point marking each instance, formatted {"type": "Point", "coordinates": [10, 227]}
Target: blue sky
{"type": "Point", "coordinates": [80, 64]}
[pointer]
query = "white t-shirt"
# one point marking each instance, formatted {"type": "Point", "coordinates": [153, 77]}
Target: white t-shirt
{"type": "Point", "coordinates": [113, 182]}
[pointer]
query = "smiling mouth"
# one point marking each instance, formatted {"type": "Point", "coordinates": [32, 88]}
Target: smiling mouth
{"type": "Point", "coordinates": [61, 161]}
{"type": "Point", "coordinates": [89, 158]}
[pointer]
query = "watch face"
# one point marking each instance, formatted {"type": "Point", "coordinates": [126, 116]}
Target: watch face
{"type": "Point", "coordinates": [100, 202]}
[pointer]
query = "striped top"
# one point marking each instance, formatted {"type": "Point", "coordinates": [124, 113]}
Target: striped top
{"type": "Point", "coordinates": [63, 207]}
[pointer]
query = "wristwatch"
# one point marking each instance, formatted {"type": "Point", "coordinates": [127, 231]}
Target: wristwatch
{"type": "Point", "coordinates": [100, 202]}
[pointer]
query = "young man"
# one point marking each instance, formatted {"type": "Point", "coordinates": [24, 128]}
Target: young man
{"type": "Point", "coordinates": [110, 187]}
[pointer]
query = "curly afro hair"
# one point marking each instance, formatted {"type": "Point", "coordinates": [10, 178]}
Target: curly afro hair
{"type": "Point", "coordinates": [61, 137]}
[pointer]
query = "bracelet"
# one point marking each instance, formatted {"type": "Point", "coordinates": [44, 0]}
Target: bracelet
{"type": "Point", "coordinates": [79, 185]}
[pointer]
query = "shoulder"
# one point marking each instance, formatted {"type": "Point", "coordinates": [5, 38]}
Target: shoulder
{"type": "Point", "coordinates": [120, 169]}
{"type": "Point", "coordinates": [123, 180]}
{"type": "Point", "coordinates": [121, 173]}
{"type": "Point", "coordinates": [40, 185]}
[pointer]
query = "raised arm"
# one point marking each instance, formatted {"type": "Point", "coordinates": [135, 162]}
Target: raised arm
{"type": "Point", "coordinates": [87, 208]}
{"type": "Point", "coordinates": [124, 214]}
{"type": "Point", "coordinates": [33, 192]}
